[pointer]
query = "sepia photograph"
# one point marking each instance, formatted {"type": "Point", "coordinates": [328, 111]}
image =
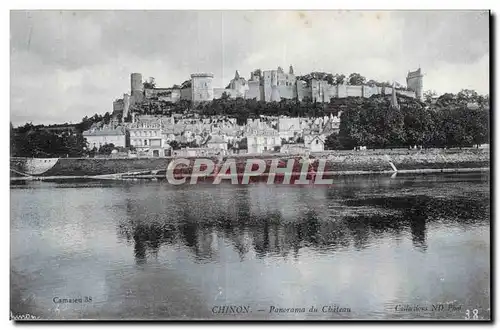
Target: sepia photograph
{"type": "Point", "coordinates": [250, 165]}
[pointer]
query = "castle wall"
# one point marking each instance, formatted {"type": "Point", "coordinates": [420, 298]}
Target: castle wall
{"type": "Point", "coordinates": [240, 87]}
{"type": "Point", "coordinates": [303, 91]}
{"type": "Point", "coordinates": [148, 93]}
{"type": "Point", "coordinates": [266, 86]}
{"type": "Point", "coordinates": [315, 90]}
{"type": "Point", "coordinates": [341, 91]}
{"type": "Point", "coordinates": [219, 91]}
{"type": "Point", "coordinates": [156, 92]}
{"type": "Point", "coordinates": [321, 91]}
{"type": "Point", "coordinates": [126, 105]}
{"type": "Point", "coordinates": [354, 91]}
{"type": "Point", "coordinates": [286, 92]}
{"type": "Point", "coordinates": [173, 95]}
{"type": "Point", "coordinates": [407, 93]}
{"type": "Point", "coordinates": [266, 91]}
{"type": "Point", "coordinates": [186, 94]}
{"type": "Point", "coordinates": [271, 85]}
{"type": "Point", "coordinates": [253, 90]}
{"type": "Point", "coordinates": [118, 105]}
{"type": "Point", "coordinates": [371, 90]}
{"type": "Point", "coordinates": [275, 94]}
{"type": "Point", "coordinates": [329, 92]}
{"type": "Point", "coordinates": [262, 93]}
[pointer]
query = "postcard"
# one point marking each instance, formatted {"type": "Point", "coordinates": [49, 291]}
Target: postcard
{"type": "Point", "coordinates": [250, 165]}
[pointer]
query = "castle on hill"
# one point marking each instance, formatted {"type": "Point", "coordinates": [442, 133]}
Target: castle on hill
{"type": "Point", "coordinates": [268, 85]}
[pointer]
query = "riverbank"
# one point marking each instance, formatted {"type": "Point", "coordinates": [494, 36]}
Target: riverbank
{"type": "Point", "coordinates": [337, 162]}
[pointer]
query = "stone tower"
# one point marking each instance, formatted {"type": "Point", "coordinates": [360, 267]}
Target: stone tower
{"type": "Point", "coordinates": [414, 81]}
{"type": "Point", "coordinates": [201, 87]}
{"type": "Point", "coordinates": [275, 94]}
{"type": "Point", "coordinates": [136, 88]}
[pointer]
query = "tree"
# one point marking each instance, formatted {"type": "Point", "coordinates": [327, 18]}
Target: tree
{"type": "Point", "coordinates": [150, 84]}
{"type": "Point", "coordinates": [106, 149]}
{"type": "Point", "coordinates": [418, 125]}
{"type": "Point", "coordinates": [446, 100]}
{"type": "Point", "coordinates": [330, 79]}
{"type": "Point", "coordinates": [107, 118]}
{"type": "Point", "coordinates": [478, 125]}
{"type": "Point", "coordinates": [74, 144]}
{"type": "Point", "coordinates": [339, 79]}
{"type": "Point", "coordinates": [243, 144]}
{"type": "Point", "coordinates": [13, 145]}
{"type": "Point", "coordinates": [350, 131]}
{"type": "Point", "coordinates": [356, 79]}
{"type": "Point", "coordinates": [466, 96]}
{"type": "Point", "coordinates": [429, 96]}
{"type": "Point", "coordinates": [174, 145]}
{"type": "Point", "coordinates": [333, 142]}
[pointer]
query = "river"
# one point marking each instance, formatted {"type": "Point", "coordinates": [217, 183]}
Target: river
{"type": "Point", "coordinates": [367, 247]}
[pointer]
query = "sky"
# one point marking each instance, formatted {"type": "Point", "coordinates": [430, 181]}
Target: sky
{"type": "Point", "coordinates": [65, 65]}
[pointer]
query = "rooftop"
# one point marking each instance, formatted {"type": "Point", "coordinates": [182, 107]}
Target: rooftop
{"type": "Point", "coordinates": [202, 74]}
{"type": "Point", "coordinates": [216, 139]}
{"type": "Point", "coordinates": [105, 131]}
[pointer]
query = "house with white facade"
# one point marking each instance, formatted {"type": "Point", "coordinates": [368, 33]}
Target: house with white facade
{"type": "Point", "coordinates": [314, 142]}
{"type": "Point", "coordinates": [289, 127]}
{"type": "Point", "coordinates": [217, 144]}
{"type": "Point", "coordinates": [99, 136]}
{"type": "Point", "coordinates": [147, 138]}
{"type": "Point", "coordinates": [293, 148]}
{"type": "Point", "coordinates": [262, 141]}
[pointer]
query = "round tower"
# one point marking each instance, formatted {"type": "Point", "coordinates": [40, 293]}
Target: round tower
{"type": "Point", "coordinates": [136, 87]}
{"type": "Point", "coordinates": [136, 82]}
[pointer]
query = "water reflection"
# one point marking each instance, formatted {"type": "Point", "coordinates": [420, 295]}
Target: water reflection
{"type": "Point", "coordinates": [158, 251]}
{"type": "Point", "coordinates": [271, 226]}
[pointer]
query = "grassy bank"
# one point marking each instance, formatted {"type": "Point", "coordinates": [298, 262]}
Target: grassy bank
{"type": "Point", "coordinates": [337, 161]}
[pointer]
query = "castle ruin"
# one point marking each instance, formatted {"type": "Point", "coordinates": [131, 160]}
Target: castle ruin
{"type": "Point", "coordinates": [267, 85]}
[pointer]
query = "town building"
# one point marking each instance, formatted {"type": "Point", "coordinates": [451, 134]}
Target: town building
{"type": "Point", "coordinates": [263, 141]}
{"type": "Point", "coordinates": [147, 138]}
{"type": "Point", "coordinates": [217, 144]}
{"type": "Point", "coordinates": [99, 136]}
{"type": "Point", "coordinates": [289, 127]}
{"type": "Point", "coordinates": [315, 142]}
{"type": "Point", "coordinates": [293, 148]}
{"type": "Point", "coordinates": [197, 152]}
